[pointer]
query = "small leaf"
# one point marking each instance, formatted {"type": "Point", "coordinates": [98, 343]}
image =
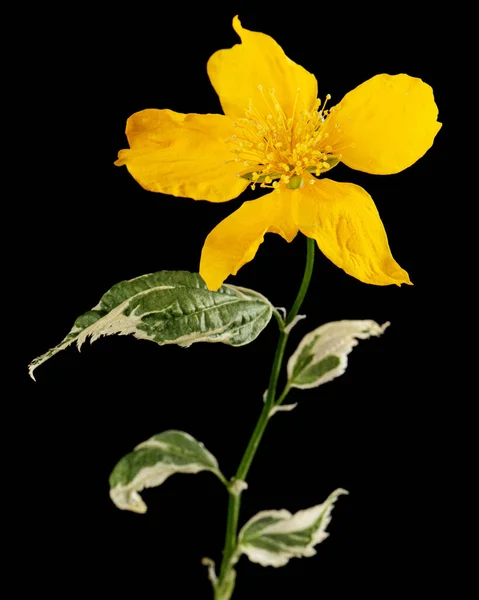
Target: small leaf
{"type": "Point", "coordinates": [171, 307]}
{"type": "Point", "coordinates": [273, 537]}
{"type": "Point", "coordinates": [322, 354]}
{"type": "Point", "coordinates": [153, 461]}
{"type": "Point", "coordinates": [282, 408]}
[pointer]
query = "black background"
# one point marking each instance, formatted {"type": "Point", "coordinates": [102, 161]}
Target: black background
{"type": "Point", "coordinates": [373, 431]}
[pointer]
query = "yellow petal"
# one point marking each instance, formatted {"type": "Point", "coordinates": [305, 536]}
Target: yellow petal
{"type": "Point", "coordinates": [345, 223]}
{"type": "Point", "coordinates": [385, 124]}
{"type": "Point", "coordinates": [237, 72]}
{"type": "Point", "coordinates": [182, 155]}
{"type": "Point", "coordinates": [237, 238]}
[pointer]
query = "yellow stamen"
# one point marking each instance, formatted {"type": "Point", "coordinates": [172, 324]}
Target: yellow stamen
{"type": "Point", "coordinates": [279, 146]}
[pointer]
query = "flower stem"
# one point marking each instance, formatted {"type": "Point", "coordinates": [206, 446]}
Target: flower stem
{"type": "Point", "coordinates": [241, 473]}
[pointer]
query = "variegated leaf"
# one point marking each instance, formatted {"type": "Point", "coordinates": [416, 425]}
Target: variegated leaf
{"type": "Point", "coordinates": [153, 461]}
{"type": "Point", "coordinates": [273, 537]}
{"type": "Point", "coordinates": [171, 307]}
{"type": "Point", "coordinates": [322, 354]}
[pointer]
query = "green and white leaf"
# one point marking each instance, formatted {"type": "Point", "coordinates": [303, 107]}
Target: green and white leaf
{"type": "Point", "coordinates": [171, 307]}
{"type": "Point", "coordinates": [273, 537]}
{"type": "Point", "coordinates": [322, 354]}
{"type": "Point", "coordinates": [153, 461]}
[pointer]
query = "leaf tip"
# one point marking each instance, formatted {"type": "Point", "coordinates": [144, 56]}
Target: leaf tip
{"type": "Point", "coordinates": [127, 500]}
{"type": "Point", "coordinates": [31, 368]}
{"type": "Point", "coordinates": [384, 326]}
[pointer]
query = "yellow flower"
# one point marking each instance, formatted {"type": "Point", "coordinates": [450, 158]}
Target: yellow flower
{"type": "Point", "coordinates": [276, 133]}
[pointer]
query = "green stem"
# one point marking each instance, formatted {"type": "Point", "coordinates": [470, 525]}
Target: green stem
{"type": "Point", "coordinates": [241, 473]}
{"type": "Point", "coordinates": [308, 271]}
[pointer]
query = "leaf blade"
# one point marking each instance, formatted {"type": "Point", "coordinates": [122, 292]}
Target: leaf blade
{"type": "Point", "coordinates": [152, 462]}
{"type": "Point", "coordinates": [170, 307]}
{"type": "Point", "coordinates": [322, 354]}
{"type": "Point", "coordinates": [273, 537]}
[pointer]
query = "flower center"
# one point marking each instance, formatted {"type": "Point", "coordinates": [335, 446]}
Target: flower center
{"type": "Point", "coordinates": [279, 150]}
